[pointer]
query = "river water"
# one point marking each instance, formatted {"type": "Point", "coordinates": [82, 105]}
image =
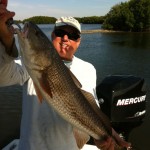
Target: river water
{"type": "Point", "coordinates": [110, 53]}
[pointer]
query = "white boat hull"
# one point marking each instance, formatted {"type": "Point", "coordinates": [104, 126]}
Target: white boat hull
{"type": "Point", "coordinates": [14, 146]}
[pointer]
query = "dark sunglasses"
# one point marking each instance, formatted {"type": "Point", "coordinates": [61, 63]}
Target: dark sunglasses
{"type": "Point", "coordinates": [71, 36]}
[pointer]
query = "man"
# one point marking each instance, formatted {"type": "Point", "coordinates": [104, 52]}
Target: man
{"type": "Point", "coordinates": [41, 127]}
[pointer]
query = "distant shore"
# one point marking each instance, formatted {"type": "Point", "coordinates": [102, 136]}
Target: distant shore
{"type": "Point", "coordinates": [108, 31]}
{"type": "Point", "coordinates": [99, 30]}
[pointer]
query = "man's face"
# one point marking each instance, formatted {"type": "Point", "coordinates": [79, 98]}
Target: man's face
{"type": "Point", "coordinates": [66, 40]}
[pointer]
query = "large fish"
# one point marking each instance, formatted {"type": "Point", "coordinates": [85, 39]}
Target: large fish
{"type": "Point", "coordinates": [58, 86]}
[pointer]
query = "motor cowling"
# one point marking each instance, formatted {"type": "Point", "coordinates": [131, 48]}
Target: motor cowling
{"type": "Point", "coordinates": [123, 99]}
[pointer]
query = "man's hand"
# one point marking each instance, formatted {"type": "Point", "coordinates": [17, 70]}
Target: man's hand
{"type": "Point", "coordinates": [6, 33]}
{"type": "Point", "coordinates": [4, 2]}
{"type": "Point", "coordinates": [109, 143]}
{"type": "Point", "coordinates": [119, 140]}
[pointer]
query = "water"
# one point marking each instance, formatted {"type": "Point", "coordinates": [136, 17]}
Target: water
{"type": "Point", "coordinates": [110, 53]}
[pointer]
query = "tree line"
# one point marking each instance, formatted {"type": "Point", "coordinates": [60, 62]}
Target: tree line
{"type": "Point", "coordinates": [133, 15]}
{"type": "Point", "coordinates": [51, 20]}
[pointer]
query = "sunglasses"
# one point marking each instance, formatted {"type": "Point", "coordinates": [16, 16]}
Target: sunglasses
{"type": "Point", "coordinates": [71, 36]}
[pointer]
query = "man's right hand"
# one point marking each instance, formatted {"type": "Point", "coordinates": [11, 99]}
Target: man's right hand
{"type": "Point", "coordinates": [6, 33]}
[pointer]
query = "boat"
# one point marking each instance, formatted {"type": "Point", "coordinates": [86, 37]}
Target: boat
{"type": "Point", "coordinates": [15, 143]}
{"type": "Point", "coordinates": [118, 94]}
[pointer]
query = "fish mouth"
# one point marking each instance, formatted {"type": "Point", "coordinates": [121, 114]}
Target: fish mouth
{"type": "Point", "coordinates": [24, 32]}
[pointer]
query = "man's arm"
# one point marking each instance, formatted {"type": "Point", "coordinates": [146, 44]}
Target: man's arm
{"type": "Point", "coordinates": [10, 72]}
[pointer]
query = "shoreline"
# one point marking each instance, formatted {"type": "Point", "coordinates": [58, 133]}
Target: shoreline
{"type": "Point", "coordinates": [99, 31]}
{"type": "Point", "coordinates": [107, 31]}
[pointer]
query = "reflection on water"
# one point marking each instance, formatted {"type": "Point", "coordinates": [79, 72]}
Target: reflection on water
{"type": "Point", "coordinates": [129, 40]}
{"type": "Point", "coordinates": [110, 53]}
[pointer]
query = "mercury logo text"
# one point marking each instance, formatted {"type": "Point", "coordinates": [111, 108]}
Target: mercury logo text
{"type": "Point", "coordinates": [130, 101]}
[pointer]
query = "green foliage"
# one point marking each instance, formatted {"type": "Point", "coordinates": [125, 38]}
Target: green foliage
{"type": "Point", "coordinates": [133, 15]}
{"type": "Point", "coordinates": [141, 11]}
{"type": "Point", "coordinates": [119, 18]}
{"type": "Point", "coordinates": [91, 20]}
{"type": "Point", "coordinates": [51, 20]}
{"type": "Point", "coordinates": [41, 20]}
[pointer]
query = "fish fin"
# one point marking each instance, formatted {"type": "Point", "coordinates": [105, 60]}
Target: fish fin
{"type": "Point", "coordinates": [45, 84]}
{"type": "Point", "coordinates": [90, 98]}
{"type": "Point", "coordinates": [38, 93]}
{"type": "Point", "coordinates": [81, 137]}
{"type": "Point", "coordinates": [76, 81]}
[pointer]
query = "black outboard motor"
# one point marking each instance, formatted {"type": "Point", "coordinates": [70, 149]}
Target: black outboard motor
{"type": "Point", "coordinates": [123, 99]}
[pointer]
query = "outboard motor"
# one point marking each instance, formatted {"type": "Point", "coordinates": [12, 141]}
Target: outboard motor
{"type": "Point", "coordinates": [123, 99]}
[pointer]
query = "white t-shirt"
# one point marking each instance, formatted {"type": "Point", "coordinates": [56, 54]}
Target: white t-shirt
{"type": "Point", "coordinates": [41, 127]}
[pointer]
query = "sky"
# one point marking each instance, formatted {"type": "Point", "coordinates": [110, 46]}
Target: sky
{"type": "Point", "coordinates": [57, 8]}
